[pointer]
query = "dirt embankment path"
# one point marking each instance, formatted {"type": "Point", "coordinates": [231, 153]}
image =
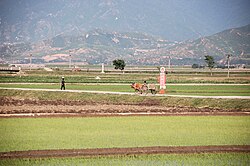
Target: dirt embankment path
{"type": "Point", "coordinates": [11, 107]}
{"type": "Point", "coordinates": [124, 151]}
{"type": "Point", "coordinates": [129, 93]}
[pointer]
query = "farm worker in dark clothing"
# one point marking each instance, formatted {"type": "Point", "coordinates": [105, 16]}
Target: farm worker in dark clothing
{"type": "Point", "coordinates": [63, 84]}
{"type": "Point", "coordinates": [145, 84]}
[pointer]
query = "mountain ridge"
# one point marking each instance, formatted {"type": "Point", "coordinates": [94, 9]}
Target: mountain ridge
{"type": "Point", "coordinates": [99, 46]}
{"type": "Point", "coordinates": [141, 31]}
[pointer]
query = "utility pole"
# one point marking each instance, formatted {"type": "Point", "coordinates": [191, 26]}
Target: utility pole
{"type": "Point", "coordinates": [69, 60]}
{"type": "Point", "coordinates": [228, 66]}
{"type": "Point", "coordinates": [169, 63]}
{"type": "Point", "coordinates": [30, 60]}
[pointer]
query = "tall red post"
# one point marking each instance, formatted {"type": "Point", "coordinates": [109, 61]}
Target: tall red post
{"type": "Point", "coordinates": [162, 80]}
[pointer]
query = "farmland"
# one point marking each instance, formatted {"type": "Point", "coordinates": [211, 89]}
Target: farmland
{"type": "Point", "coordinates": [175, 75]}
{"type": "Point", "coordinates": [77, 133]}
{"type": "Point", "coordinates": [81, 133]}
{"type": "Point", "coordinates": [123, 82]}
{"type": "Point", "coordinates": [38, 121]}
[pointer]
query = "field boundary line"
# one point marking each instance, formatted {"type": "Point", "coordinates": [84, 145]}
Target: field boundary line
{"type": "Point", "coordinates": [124, 151]}
{"type": "Point", "coordinates": [127, 93]}
{"type": "Point", "coordinates": [168, 84]}
{"type": "Point", "coordinates": [66, 115]}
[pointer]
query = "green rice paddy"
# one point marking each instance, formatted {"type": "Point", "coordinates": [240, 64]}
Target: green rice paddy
{"type": "Point", "coordinates": [107, 132]}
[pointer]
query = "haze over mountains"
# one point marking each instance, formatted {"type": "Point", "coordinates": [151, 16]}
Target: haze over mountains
{"type": "Point", "coordinates": [141, 31]}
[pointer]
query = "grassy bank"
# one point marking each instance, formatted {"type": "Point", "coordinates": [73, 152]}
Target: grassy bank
{"type": "Point", "coordinates": [225, 104]}
{"type": "Point", "coordinates": [169, 159]}
{"type": "Point", "coordinates": [202, 90]}
{"type": "Point", "coordinates": [107, 132]}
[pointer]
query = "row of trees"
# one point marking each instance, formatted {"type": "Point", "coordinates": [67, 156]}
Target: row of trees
{"type": "Point", "coordinates": [120, 64]}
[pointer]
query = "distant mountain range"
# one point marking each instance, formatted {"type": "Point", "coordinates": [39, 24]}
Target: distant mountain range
{"type": "Point", "coordinates": [98, 46]}
{"type": "Point", "coordinates": [234, 41]}
{"type": "Point", "coordinates": [140, 31]}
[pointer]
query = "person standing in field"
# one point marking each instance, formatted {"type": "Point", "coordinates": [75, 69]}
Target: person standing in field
{"type": "Point", "coordinates": [63, 84]}
{"type": "Point", "coordinates": [145, 86]}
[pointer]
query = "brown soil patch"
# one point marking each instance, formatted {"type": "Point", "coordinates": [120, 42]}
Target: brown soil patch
{"type": "Point", "coordinates": [124, 151]}
{"type": "Point", "coordinates": [79, 108]}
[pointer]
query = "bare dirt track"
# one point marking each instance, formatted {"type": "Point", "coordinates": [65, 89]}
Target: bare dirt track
{"type": "Point", "coordinates": [124, 151]}
{"type": "Point", "coordinates": [129, 93]}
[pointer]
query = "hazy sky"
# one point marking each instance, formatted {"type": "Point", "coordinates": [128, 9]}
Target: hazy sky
{"type": "Point", "coordinates": [171, 19]}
